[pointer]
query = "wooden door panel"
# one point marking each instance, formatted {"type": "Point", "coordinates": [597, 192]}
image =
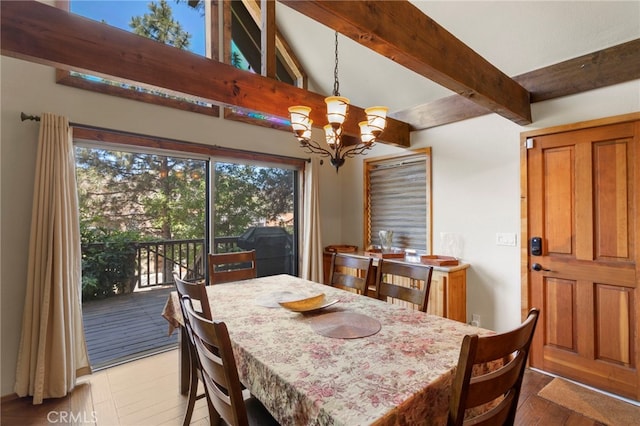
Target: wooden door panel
{"type": "Point", "coordinates": [611, 181]}
{"type": "Point", "coordinates": [614, 307]}
{"type": "Point", "coordinates": [560, 297]}
{"type": "Point", "coordinates": [583, 202]}
{"type": "Point", "coordinates": [558, 192]}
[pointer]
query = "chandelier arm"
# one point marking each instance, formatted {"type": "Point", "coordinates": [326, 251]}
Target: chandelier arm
{"type": "Point", "coordinates": [356, 150]}
{"type": "Point", "coordinates": [314, 147]}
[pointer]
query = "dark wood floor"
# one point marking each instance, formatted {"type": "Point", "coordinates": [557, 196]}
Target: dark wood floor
{"type": "Point", "coordinates": [145, 392]}
{"type": "Point", "coordinates": [535, 410]}
{"type": "Point", "coordinates": [125, 327]}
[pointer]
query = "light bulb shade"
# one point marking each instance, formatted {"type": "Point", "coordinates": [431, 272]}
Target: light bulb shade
{"type": "Point", "coordinates": [305, 136]}
{"type": "Point", "coordinates": [366, 135]}
{"type": "Point", "coordinates": [377, 118]}
{"type": "Point", "coordinates": [337, 107]}
{"type": "Point", "coordinates": [332, 135]}
{"type": "Point", "coordinates": [300, 121]}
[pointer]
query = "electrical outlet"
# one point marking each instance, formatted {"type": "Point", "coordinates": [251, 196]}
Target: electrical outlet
{"type": "Point", "coordinates": [475, 320]}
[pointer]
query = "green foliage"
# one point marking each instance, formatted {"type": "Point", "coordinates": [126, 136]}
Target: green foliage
{"type": "Point", "coordinates": [276, 192]}
{"type": "Point", "coordinates": [235, 199]}
{"type": "Point", "coordinates": [162, 197]}
{"type": "Point", "coordinates": [108, 262]}
{"type": "Point", "coordinates": [250, 195]}
{"type": "Point", "coordinates": [160, 26]}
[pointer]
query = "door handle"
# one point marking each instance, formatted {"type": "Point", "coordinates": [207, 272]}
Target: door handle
{"type": "Point", "coordinates": [539, 267]}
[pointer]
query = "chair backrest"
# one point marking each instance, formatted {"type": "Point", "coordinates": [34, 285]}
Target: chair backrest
{"type": "Point", "coordinates": [357, 279]}
{"type": "Point", "coordinates": [471, 391]}
{"type": "Point", "coordinates": [196, 291]}
{"type": "Point", "coordinates": [218, 366]}
{"type": "Point", "coordinates": [226, 267]}
{"type": "Point", "coordinates": [417, 292]}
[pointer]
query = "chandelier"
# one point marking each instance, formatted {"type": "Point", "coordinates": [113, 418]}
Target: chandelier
{"type": "Point", "coordinates": [337, 110]}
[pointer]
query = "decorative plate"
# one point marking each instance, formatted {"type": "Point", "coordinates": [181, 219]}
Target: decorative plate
{"type": "Point", "coordinates": [309, 304]}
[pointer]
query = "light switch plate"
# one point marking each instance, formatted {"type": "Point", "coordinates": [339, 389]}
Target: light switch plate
{"type": "Point", "coordinates": [506, 239]}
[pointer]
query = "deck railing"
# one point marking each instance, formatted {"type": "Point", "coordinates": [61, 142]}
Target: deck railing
{"type": "Point", "coordinates": [155, 261]}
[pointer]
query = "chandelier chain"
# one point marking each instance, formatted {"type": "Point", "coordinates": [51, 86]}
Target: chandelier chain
{"type": "Point", "coordinates": [336, 83]}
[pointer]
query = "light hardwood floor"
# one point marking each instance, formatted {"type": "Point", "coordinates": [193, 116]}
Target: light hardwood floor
{"type": "Point", "coordinates": [145, 392]}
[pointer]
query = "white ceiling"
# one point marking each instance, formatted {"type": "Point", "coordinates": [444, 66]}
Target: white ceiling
{"type": "Point", "coordinates": [515, 36]}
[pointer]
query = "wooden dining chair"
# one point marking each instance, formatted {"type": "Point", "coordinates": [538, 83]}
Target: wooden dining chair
{"type": "Point", "coordinates": [220, 374]}
{"type": "Point", "coordinates": [350, 272]}
{"type": "Point", "coordinates": [195, 291]}
{"type": "Point", "coordinates": [235, 266]}
{"type": "Point", "coordinates": [417, 290]}
{"type": "Point", "coordinates": [471, 390]}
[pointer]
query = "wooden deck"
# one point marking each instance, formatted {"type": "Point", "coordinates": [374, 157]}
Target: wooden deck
{"type": "Point", "coordinates": [122, 328]}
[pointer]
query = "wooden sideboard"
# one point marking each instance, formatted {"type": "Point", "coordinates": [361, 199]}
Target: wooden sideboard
{"type": "Point", "coordinates": [448, 295]}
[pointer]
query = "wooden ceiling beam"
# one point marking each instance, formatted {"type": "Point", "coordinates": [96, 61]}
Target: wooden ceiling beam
{"type": "Point", "coordinates": [43, 34]}
{"type": "Point", "coordinates": [268, 38]}
{"type": "Point", "coordinates": [606, 67]}
{"type": "Point", "coordinates": [402, 33]}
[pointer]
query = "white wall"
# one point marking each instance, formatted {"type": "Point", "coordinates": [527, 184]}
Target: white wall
{"type": "Point", "coordinates": [476, 180]}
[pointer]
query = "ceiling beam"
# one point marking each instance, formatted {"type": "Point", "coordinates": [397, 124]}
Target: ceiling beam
{"type": "Point", "coordinates": [402, 33]}
{"type": "Point", "coordinates": [606, 67]}
{"type": "Point", "coordinates": [43, 34]}
{"type": "Point", "coordinates": [268, 38]}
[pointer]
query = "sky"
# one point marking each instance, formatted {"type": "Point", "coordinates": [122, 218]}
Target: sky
{"type": "Point", "coordinates": [118, 13]}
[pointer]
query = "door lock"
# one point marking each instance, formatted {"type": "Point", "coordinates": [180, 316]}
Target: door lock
{"type": "Point", "coordinates": [536, 246]}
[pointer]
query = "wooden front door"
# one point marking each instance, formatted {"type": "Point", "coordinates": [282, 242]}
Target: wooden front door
{"type": "Point", "coordinates": [583, 201]}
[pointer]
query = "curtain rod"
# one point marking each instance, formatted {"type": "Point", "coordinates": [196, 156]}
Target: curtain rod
{"type": "Point", "coordinates": [24, 117]}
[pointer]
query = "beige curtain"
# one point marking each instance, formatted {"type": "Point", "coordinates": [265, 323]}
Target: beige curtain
{"type": "Point", "coordinates": [53, 351]}
{"type": "Point", "coordinates": [312, 240]}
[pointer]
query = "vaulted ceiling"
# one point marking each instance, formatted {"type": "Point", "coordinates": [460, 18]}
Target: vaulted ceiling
{"type": "Point", "coordinates": [551, 48]}
{"type": "Point", "coordinates": [503, 56]}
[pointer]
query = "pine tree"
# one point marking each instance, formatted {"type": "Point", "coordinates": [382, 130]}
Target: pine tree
{"type": "Point", "coordinates": [160, 26]}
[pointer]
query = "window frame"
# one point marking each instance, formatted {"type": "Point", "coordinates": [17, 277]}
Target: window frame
{"type": "Point", "coordinates": [369, 164]}
{"type": "Point", "coordinates": [67, 78]}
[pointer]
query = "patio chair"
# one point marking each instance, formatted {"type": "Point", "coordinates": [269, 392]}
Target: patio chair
{"type": "Point", "coordinates": [223, 388]}
{"type": "Point", "coordinates": [418, 290]}
{"type": "Point", "coordinates": [349, 272]}
{"type": "Point", "coordinates": [236, 266]}
{"type": "Point", "coordinates": [471, 390]}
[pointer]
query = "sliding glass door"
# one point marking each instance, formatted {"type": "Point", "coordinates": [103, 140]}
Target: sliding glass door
{"type": "Point", "coordinates": [146, 213]}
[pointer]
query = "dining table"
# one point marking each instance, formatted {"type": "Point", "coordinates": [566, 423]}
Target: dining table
{"type": "Point", "coordinates": [348, 360]}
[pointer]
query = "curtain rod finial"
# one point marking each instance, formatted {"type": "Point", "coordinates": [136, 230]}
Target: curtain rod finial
{"type": "Point", "coordinates": [24, 117]}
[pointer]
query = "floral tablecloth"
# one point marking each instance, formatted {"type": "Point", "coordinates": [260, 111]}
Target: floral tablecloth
{"type": "Point", "coordinates": [399, 376]}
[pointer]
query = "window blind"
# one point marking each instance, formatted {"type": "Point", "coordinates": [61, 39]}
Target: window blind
{"type": "Point", "coordinates": [399, 198]}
